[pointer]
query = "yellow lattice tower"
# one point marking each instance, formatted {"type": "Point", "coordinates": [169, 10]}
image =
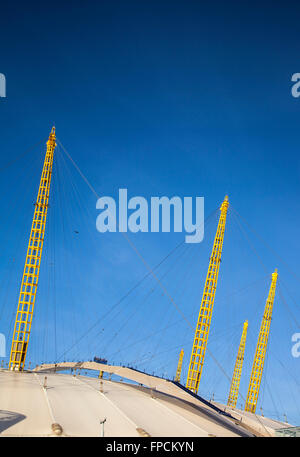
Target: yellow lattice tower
{"type": "Point", "coordinates": [236, 377]}
{"type": "Point", "coordinates": [31, 271]}
{"type": "Point", "coordinates": [261, 349]}
{"type": "Point", "coordinates": [179, 366]}
{"type": "Point", "coordinates": [207, 303]}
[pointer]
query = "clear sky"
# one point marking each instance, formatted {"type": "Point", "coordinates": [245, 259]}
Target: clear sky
{"type": "Point", "coordinates": [162, 98]}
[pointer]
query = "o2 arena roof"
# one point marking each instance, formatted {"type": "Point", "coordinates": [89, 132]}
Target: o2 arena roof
{"type": "Point", "coordinates": [46, 402]}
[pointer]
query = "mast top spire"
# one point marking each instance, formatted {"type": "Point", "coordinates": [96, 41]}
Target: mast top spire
{"type": "Point", "coordinates": [52, 137]}
{"type": "Point", "coordinates": [225, 204]}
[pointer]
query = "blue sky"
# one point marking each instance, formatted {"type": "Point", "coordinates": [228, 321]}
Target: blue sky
{"type": "Point", "coordinates": [162, 98]}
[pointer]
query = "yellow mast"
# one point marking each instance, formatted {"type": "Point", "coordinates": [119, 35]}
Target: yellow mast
{"type": "Point", "coordinates": [261, 349]}
{"type": "Point", "coordinates": [31, 271]}
{"type": "Point", "coordinates": [179, 366]}
{"type": "Point", "coordinates": [236, 377]}
{"type": "Point", "coordinates": [207, 303]}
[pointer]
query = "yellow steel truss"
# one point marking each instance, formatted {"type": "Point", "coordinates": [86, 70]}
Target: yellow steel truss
{"type": "Point", "coordinates": [179, 366]}
{"type": "Point", "coordinates": [261, 349]}
{"type": "Point", "coordinates": [31, 271]}
{"type": "Point", "coordinates": [236, 377]}
{"type": "Point", "coordinates": [207, 303]}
